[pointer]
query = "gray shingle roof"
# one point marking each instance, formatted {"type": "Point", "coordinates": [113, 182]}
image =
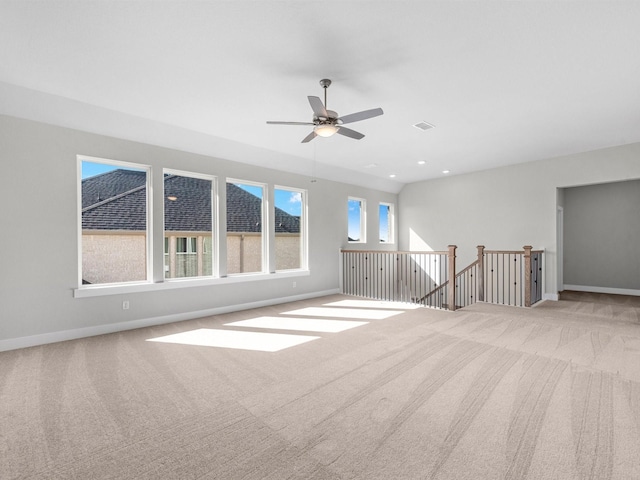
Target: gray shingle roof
{"type": "Point", "coordinates": [116, 200]}
{"type": "Point", "coordinates": [107, 185]}
{"type": "Point", "coordinates": [187, 213]}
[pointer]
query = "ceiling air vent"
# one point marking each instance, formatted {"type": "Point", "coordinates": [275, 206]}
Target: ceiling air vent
{"type": "Point", "coordinates": [423, 126]}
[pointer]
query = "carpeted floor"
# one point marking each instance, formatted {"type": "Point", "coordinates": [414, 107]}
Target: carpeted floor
{"type": "Point", "coordinates": [383, 392]}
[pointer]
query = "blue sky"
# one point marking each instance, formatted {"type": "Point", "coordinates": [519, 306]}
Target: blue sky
{"type": "Point", "coordinates": [384, 223]}
{"type": "Point", "coordinates": [354, 207]}
{"type": "Point", "coordinates": [90, 169]}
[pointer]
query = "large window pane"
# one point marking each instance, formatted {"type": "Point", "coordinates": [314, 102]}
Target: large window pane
{"type": "Point", "coordinates": [245, 246]}
{"type": "Point", "coordinates": [188, 222]}
{"type": "Point", "coordinates": [289, 221]}
{"type": "Point", "coordinates": [114, 221]}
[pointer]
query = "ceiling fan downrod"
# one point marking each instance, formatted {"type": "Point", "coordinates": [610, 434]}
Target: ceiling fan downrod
{"type": "Point", "coordinates": [324, 83]}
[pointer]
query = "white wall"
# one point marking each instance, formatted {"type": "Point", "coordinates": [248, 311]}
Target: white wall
{"type": "Point", "coordinates": [601, 236]}
{"type": "Point", "coordinates": [505, 208]}
{"type": "Point", "coordinates": [39, 240]}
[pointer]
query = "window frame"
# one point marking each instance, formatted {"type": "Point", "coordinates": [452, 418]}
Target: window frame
{"type": "Point", "coordinates": [155, 235]}
{"type": "Point", "coordinates": [264, 219]}
{"type": "Point", "coordinates": [215, 224]}
{"type": "Point", "coordinates": [149, 219]}
{"type": "Point", "coordinates": [390, 223]}
{"type": "Point", "coordinates": [363, 219]}
{"type": "Point", "coordinates": [190, 243]}
{"type": "Point", "coordinates": [304, 237]}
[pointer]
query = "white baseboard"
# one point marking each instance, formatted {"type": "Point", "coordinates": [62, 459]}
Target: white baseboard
{"type": "Point", "coordinates": [64, 335]}
{"type": "Point", "coordinates": [551, 296]}
{"type": "Point", "coordinates": [613, 291]}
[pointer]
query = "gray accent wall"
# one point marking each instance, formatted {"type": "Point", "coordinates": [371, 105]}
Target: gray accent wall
{"type": "Point", "coordinates": [507, 207]}
{"type": "Point", "coordinates": [39, 241]}
{"type": "Point", "coordinates": [602, 235]}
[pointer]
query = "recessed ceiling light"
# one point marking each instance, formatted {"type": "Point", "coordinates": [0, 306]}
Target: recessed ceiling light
{"type": "Point", "coordinates": [423, 126]}
{"type": "Point", "coordinates": [393, 175]}
{"type": "Point", "coordinates": [421, 162]}
{"type": "Point", "coordinates": [445, 171]}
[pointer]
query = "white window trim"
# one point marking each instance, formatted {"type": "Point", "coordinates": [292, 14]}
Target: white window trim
{"type": "Point", "coordinates": [215, 220]}
{"type": "Point", "coordinates": [390, 221]}
{"type": "Point", "coordinates": [363, 219]}
{"type": "Point", "coordinates": [189, 245]}
{"type": "Point", "coordinates": [151, 285]}
{"type": "Point", "coordinates": [304, 244]}
{"type": "Point", "coordinates": [105, 289]}
{"type": "Point", "coordinates": [264, 224]}
{"type": "Point", "coordinates": [149, 192]}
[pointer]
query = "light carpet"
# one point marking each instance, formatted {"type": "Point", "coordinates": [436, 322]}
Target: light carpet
{"type": "Point", "coordinates": [487, 392]}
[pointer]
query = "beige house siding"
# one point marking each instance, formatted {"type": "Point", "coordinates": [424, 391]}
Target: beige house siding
{"type": "Point", "coordinates": [288, 251]}
{"type": "Point", "coordinates": [244, 252]}
{"type": "Point", "coordinates": [114, 257]}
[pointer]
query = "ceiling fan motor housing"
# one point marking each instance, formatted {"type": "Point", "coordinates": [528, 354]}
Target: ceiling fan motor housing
{"type": "Point", "coordinates": [332, 118]}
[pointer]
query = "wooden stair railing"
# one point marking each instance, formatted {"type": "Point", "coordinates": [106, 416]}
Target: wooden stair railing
{"type": "Point", "coordinates": [496, 276]}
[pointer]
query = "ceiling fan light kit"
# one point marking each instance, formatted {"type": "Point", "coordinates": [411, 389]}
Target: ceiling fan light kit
{"type": "Point", "coordinates": [325, 130]}
{"type": "Point", "coordinates": [327, 122]}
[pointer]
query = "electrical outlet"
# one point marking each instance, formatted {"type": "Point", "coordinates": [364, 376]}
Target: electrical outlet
{"type": "Point", "coordinates": [125, 305]}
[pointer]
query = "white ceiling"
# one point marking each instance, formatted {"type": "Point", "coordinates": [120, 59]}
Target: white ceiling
{"type": "Point", "coordinates": [502, 81]}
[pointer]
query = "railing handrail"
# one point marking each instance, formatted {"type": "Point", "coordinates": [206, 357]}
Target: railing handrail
{"type": "Point", "coordinates": [435, 290]}
{"type": "Point", "coordinates": [512, 252]}
{"type": "Point", "coordinates": [403, 252]}
{"type": "Point", "coordinates": [504, 252]}
{"type": "Point", "coordinates": [467, 268]}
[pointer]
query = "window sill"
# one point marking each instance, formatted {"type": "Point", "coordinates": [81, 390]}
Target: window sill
{"type": "Point", "coordinates": [117, 289]}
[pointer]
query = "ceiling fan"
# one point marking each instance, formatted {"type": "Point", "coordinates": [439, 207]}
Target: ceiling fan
{"type": "Point", "coordinates": [327, 122]}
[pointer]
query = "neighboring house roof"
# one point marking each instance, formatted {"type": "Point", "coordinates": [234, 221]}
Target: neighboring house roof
{"type": "Point", "coordinates": [105, 186]}
{"type": "Point", "coordinates": [116, 200]}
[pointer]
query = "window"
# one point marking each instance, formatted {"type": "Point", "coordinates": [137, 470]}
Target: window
{"type": "Point", "coordinates": [188, 225]}
{"type": "Point", "coordinates": [385, 218]}
{"type": "Point", "coordinates": [290, 239]}
{"type": "Point", "coordinates": [356, 229]}
{"type": "Point", "coordinates": [245, 219]}
{"type": "Point", "coordinates": [115, 231]}
{"type": "Point", "coordinates": [114, 218]}
{"type": "Point", "coordinates": [186, 245]}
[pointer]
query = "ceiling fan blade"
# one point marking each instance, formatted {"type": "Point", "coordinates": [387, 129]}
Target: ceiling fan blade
{"type": "Point", "coordinates": [290, 123]}
{"type": "Point", "coordinates": [356, 117]}
{"type": "Point", "coordinates": [309, 137]}
{"type": "Point", "coordinates": [347, 132]}
{"type": "Point", "coordinates": [318, 107]}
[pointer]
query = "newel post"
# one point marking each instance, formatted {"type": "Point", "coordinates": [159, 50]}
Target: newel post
{"type": "Point", "coordinates": [527, 275]}
{"type": "Point", "coordinates": [480, 270]}
{"type": "Point", "coordinates": [451, 300]}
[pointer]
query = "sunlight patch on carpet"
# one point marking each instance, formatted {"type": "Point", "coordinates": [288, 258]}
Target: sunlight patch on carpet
{"type": "Point", "coordinates": [302, 324]}
{"type": "Point", "coordinates": [368, 314]}
{"type": "Point", "coordinates": [263, 342]}
{"type": "Point", "coordinates": [372, 304]}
